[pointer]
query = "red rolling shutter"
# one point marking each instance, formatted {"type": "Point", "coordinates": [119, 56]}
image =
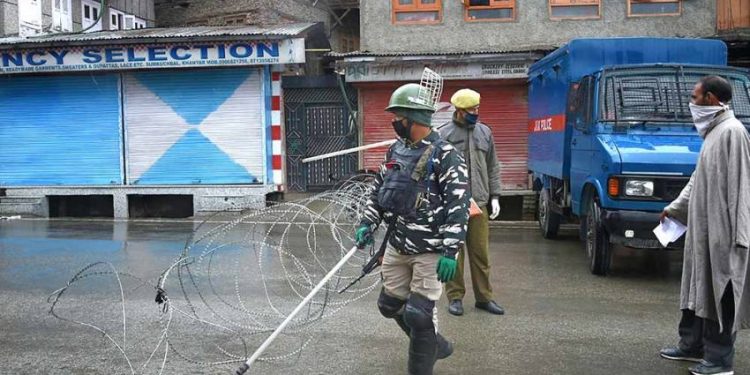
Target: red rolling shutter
{"type": "Point", "coordinates": [377, 122]}
{"type": "Point", "coordinates": [504, 108]}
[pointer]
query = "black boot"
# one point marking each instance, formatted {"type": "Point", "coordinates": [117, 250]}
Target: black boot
{"type": "Point", "coordinates": [422, 352]}
{"type": "Point", "coordinates": [444, 347]}
{"type": "Point", "coordinates": [418, 315]}
{"type": "Point", "coordinates": [402, 324]}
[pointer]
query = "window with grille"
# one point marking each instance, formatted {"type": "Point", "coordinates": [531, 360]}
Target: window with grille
{"type": "Point", "coordinates": [640, 8]}
{"type": "Point", "coordinates": [489, 10]}
{"type": "Point", "coordinates": [663, 94]}
{"type": "Point", "coordinates": [575, 9]}
{"type": "Point", "coordinates": [416, 11]}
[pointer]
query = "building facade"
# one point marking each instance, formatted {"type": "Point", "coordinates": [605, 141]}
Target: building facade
{"type": "Point", "coordinates": [733, 26]}
{"type": "Point", "coordinates": [339, 17]}
{"type": "Point", "coordinates": [394, 26]}
{"type": "Point", "coordinates": [159, 122]}
{"type": "Point", "coordinates": [317, 110]}
{"type": "Point", "coordinates": [487, 45]}
{"type": "Point", "coordinates": [37, 17]}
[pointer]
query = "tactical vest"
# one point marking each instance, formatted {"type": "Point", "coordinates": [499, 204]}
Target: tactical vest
{"type": "Point", "coordinates": [406, 185]}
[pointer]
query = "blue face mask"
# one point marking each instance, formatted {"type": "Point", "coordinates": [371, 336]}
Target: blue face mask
{"type": "Point", "coordinates": [471, 118]}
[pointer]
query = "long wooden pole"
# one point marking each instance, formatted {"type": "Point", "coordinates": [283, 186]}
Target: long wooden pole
{"type": "Point", "coordinates": [269, 340]}
{"type": "Point", "coordinates": [349, 150]}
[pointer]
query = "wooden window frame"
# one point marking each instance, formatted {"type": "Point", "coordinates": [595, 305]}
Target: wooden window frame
{"type": "Point", "coordinates": [119, 17]}
{"type": "Point", "coordinates": [503, 4]}
{"type": "Point", "coordinates": [95, 9]}
{"type": "Point", "coordinates": [140, 23]}
{"type": "Point", "coordinates": [62, 15]}
{"type": "Point", "coordinates": [128, 19]}
{"type": "Point", "coordinates": [573, 3]}
{"type": "Point", "coordinates": [630, 13]}
{"type": "Point", "coordinates": [416, 7]}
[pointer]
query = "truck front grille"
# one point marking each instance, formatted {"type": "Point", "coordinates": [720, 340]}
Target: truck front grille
{"type": "Point", "coordinates": [671, 189]}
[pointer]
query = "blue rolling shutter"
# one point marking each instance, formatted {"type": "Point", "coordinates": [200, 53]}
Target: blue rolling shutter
{"type": "Point", "coordinates": [60, 130]}
{"type": "Point", "coordinates": [194, 127]}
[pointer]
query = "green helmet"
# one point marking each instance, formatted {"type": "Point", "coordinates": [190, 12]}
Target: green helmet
{"type": "Point", "coordinates": [407, 97]}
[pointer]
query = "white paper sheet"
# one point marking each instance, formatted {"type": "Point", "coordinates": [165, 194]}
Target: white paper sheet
{"type": "Point", "coordinates": [669, 231]}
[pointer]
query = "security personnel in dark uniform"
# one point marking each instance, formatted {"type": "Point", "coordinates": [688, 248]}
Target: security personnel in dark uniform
{"type": "Point", "coordinates": [422, 190]}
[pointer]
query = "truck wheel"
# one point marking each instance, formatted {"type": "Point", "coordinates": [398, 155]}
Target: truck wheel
{"type": "Point", "coordinates": [582, 228]}
{"type": "Point", "coordinates": [597, 241]}
{"type": "Point", "coordinates": [549, 221]}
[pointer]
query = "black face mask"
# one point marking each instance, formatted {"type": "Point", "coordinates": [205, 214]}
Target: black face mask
{"type": "Point", "coordinates": [403, 131]}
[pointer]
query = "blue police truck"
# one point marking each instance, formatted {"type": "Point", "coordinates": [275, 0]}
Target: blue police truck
{"type": "Point", "coordinates": [611, 138]}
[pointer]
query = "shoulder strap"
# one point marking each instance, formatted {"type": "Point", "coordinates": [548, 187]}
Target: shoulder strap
{"type": "Point", "coordinates": [425, 166]}
{"type": "Point", "coordinates": [420, 170]}
{"type": "Point", "coordinates": [389, 153]}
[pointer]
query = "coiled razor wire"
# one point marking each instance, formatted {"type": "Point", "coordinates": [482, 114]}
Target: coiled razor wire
{"type": "Point", "coordinates": [231, 286]}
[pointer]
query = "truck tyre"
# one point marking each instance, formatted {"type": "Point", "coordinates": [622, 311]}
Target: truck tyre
{"type": "Point", "coordinates": [597, 241]}
{"type": "Point", "coordinates": [549, 221]}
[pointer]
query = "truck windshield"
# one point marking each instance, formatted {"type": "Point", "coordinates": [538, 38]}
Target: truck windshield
{"type": "Point", "coordinates": [661, 94]}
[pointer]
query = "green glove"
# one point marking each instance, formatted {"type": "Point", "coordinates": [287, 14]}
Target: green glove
{"type": "Point", "coordinates": [363, 236]}
{"type": "Point", "coordinates": [446, 269]}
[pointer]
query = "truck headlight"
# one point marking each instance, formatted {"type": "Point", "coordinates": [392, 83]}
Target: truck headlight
{"type": "Point", "coordinates": [639, 188]}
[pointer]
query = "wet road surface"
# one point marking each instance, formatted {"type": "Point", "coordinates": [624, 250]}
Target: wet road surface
{"type": "Point", "coordinates": [560, 319]}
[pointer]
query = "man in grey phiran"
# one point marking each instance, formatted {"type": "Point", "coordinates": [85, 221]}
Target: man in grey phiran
{"type": "Point", "coordinates": [715, 204]}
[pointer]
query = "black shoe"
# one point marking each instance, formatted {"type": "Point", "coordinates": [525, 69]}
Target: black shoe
{"type": "Point", "coordinates": [492, 307]}
{"type": "Point", "coordinates": [456, 307]}
{"type": "Point", "coordinates": [708, 368]}
{"type": "Point", "coordinates": [678, 354]}
{"type": "Point", "coordinates": [444, 347]}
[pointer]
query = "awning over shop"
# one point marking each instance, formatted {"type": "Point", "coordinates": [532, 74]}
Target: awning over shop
{"type": "Point", "coordinates": [189, 47]}
{"type": "Point", "coordinates": [402, 66]}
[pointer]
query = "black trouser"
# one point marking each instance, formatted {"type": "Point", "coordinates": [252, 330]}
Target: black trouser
{"type": "Point", "coordinates": [698, 335]}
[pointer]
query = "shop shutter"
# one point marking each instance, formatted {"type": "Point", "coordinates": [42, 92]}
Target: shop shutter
{"type": "Point", "coordinates": [195, 127]}
{"type": "Point", "coordinates": [60, 130]}
{"type": "Point", "coordinates": [377, 123]}
{"type": "Point", "coordinates": [504, 108]}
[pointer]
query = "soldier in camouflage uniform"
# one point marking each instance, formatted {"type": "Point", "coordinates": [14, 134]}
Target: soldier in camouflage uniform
{"type": "Point", "coordinates": [422, 191]}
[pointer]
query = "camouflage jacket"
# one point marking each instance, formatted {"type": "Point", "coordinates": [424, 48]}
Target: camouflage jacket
{"type": "Point", "coordinates": [437, 228]}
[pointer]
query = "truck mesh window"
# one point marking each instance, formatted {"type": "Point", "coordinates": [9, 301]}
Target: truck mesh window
{"type": "Point", "coordinates": [663, 95]}
{"type": "Point", "coordinates": [741, 100]}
